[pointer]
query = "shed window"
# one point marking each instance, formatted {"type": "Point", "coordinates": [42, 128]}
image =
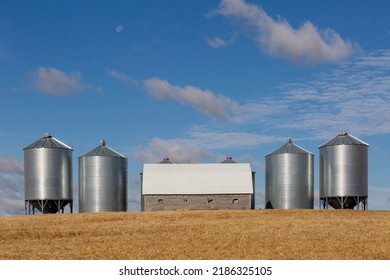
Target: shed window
{"type": "Point", "coordinates": [235, 201]}
{"type": "Point", "coordinates": [160, 201]}
{"type": "Point", "coordinates": [185, 200]}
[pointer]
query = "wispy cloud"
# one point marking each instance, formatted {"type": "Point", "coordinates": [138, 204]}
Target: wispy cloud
{"type": "Point", "coordinates": [229, 140]}
{"type": "Point", "coordinates": [216, 42]}
{"type": "Point", "coordinates": [216, 106]}
{"type": "Point", "coordinates": [179, 150]}
{"type": "Point", "coordinates": [11, 186]}
{"type": "Point", "coordinates": [205, 101]}
{"type": "Point", "coordinates": [306, 45]}
{"type": "Point", "coordinates": [56, 82]}
{"type": "Point", "coordinates": [9, 165]}
{"type": "Point", "coordinates": [201, 145]}
{"type": "Point", "coordinates": [124, 78]}
{"type": "Point", "coordinates": [210, 103]}
{"type": "Point", "coordinates": [354, 96]}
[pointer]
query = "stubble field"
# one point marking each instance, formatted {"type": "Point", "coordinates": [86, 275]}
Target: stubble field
{"type": "Point", "coordinates": [199, 235]}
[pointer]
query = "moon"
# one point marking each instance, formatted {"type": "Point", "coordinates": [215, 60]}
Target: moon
{"type": "Point", "coordinates": [119, 28]}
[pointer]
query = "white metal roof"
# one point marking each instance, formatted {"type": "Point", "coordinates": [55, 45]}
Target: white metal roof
{"type": "Point", "coordinates": [197, 178]}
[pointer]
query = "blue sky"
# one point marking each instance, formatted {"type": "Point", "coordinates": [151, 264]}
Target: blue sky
{"type": "Point", "coordinates": [195, 81]}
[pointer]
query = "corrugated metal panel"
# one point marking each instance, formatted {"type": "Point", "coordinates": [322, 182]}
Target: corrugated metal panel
{"type": "Point", "coordinates": [343, 170]}
{"type": "Point", "coordinates": [48, 170]}
{"type": "Point", "coordinates": [289, 178]}
{"type": "Point", "coordinates": [102, 180]}
{"type": "Point", "coordinates": [197, 178]}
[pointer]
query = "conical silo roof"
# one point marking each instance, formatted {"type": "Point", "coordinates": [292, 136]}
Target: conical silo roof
{"type": "Point", "coordinates": [48, 141]}
{"type": "Point", "coordinates": [343, 138]}
{"type": "Point", "coordinates": [289, 148]}
{"type": "Point", "coordinates": [103, 151]}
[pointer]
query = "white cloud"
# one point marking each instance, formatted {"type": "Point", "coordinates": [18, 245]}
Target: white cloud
{"type": "Point", "coordinates": [216, 42]}
{"type": "Point", "coordinates": [56, 82]}
{"type": "Point", "coordinates": [119, 28]}
{"type": "Point", "coordinates": [306, 45]}
{"type": "Point", "coordinates": [124, 78]}
{"type": "Point", "coordinates": [178, 150]}
{"type": "Point", "coordinates": [205, 101]}
{"type": "Point", "coordinates": [118, 75]}
{"type": "Point", "coordinates": [212, 104]}
{"type": "Point", "coordinates": [352, 96]}
{"type": "Point", "coordinates": [228, 140]}
{"type": "Point", "coordinates": [200, 145]}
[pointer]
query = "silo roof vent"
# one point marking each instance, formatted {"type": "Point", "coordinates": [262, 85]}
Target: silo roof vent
{"type": "Point", "coordinates": [48, 141]}
{"type": "Point", "coordinates": [343, 138]}
{"type": "Point", "coordinates": [103, 151]}
{"type": "Point", "coordinates": [166, 160]}
{"type": "Point", "coordinates": [289, 148]}
{"type": "Point", "coordinates": [229, 160]}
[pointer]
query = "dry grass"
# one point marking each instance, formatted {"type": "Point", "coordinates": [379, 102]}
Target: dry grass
{"type": "Point", "coordinates": [199, 235]}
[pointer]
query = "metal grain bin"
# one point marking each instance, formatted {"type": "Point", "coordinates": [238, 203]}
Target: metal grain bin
{"type": "Point", "coordinates": [48, 175]}
{"type": "Point", "coordinates": [289, 178]}
{"type": "Point", "coordinates": [102, 180]}
{"type": "Point", "coordinates": [344, 172]}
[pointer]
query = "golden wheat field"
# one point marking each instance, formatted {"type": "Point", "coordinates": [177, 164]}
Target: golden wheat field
{"type": "Point", "coordinates": [199, 235]}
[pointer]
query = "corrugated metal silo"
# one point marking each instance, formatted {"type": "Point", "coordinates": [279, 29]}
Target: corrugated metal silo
{"type": "Point", "coordinates": [289, 178]}
{"type": "Point", "coordinates": [102, 180]}
{"type": "Point", "coordinates": [48, 175]}
{"type": "Point", "coordinates": [344, 172]}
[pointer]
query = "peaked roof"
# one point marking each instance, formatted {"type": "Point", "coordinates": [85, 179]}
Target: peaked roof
{"type": "Point", "coordinates": [197, 178]}
{"type": "Point", "coordinates": [343, 138]}
{"type": "Point", "coordinates": [103, 151]}
{"type": "Point", "coordinates": [289, 148]}
{"type": "Point", "coordinates": [48, 141]}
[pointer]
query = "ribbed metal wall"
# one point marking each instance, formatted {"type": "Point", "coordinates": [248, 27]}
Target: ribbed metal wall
{"type": "Point", "coordinates": [48, 174]}
{"type": "Point", "coordinates": [102, 181]}
{"type": "Point", "coordinates": [343, 171]}
{"type": "Point", "coordinates": [289, 178]}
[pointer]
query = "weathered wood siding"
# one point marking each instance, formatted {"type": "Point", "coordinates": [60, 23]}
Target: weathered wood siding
{"type": "Point", "coordinates": [197, 202]}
